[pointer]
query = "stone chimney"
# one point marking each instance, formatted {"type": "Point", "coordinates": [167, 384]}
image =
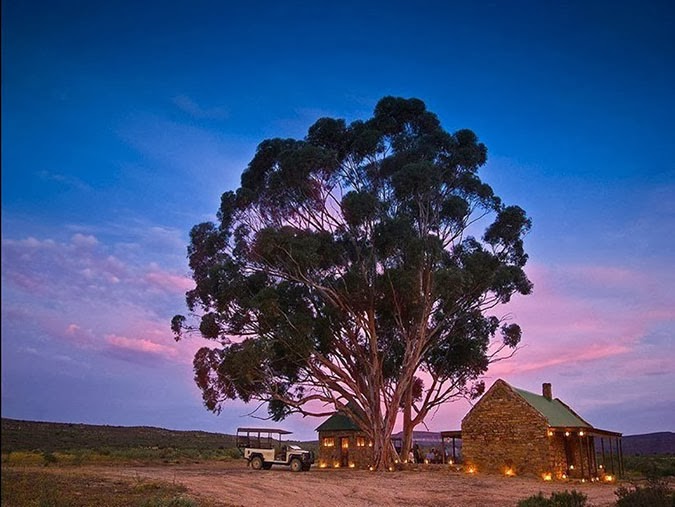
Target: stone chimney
{"type": "Point", "coordinates": [546, 391]}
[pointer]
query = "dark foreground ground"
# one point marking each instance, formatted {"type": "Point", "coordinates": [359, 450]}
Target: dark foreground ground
{"type": "Point", "coordinates": [212, 484]}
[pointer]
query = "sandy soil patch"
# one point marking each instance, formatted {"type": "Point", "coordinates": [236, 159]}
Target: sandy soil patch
{"type": "Point", "coordinates": [233, 484]}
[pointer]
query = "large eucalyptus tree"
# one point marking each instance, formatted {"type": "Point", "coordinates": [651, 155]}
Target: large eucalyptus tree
{"type": "Point", "coordinates": [346, 273]}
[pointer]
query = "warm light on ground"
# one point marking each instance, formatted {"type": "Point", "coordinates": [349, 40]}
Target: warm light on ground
{"type": "Point", "coordinates": [547, 476]}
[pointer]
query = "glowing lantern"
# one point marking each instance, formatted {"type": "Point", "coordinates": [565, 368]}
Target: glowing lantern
{"type": "Point", "coordinates": [581, 433]}
{"type": "Point", "coordinates": [509, 472]}
{"type": "Point", "coordinates": [471, 470]}
{"type": "Point", "coordinates": [567, 433]}
{"type": "Point", "coordinates": [547, 476]}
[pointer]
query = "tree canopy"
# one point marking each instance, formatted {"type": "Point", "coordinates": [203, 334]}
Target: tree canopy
{"type": "Point", "coordinates": [348, 271]}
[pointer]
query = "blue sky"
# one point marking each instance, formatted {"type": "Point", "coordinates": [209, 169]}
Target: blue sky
{"type": "Point", "coordinates": [122, 123]}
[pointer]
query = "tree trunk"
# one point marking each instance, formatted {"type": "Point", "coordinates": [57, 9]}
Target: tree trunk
{"type": "Point", "coordinates": [407, 443]}
{"type": "Point", "coordinates": [384, 455]}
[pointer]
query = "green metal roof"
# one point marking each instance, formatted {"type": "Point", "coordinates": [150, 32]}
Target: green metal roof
{"type": "Point", "coordinates": [338, 422]}
{"type": "Point", "coordinates": [341, 422]}
{"type": "Point", "coordinates": [555, 411]}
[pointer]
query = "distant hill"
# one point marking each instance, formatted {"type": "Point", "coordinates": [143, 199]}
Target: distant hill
{"type": "Point", "coordinates": [49, 437]}
{"type": "Point", "coordinates": [649, 444]}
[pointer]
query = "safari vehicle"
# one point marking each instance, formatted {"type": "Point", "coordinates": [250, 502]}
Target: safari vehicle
{"type": "Point", "coordinates": [262, 448]}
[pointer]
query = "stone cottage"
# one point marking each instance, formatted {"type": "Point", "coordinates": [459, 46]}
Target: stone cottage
{"type": "Point", "coordinates": [513, 431]}
{"type": "Point", "coordinates": [342, 444]}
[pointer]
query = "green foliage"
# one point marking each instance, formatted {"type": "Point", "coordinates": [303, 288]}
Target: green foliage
{"type": "Point", "coordinates": [33, 488]}
{"type": "Point", "coordinates": [344, 265]}
{"type": "Point", "coordinates": [657, 493]}
{"type": "Point", "coordinates": [49, 458]}
{"type": "Point", "coordinates": [650, 467]}
{"type": "Point", "coordinates": [538, 500]}
{"type": "Point", "coordinates": [557, 499]}
{"type": "Point", "coordinates": [46, 438]}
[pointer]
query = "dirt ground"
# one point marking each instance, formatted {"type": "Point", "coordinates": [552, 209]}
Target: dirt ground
{"type": "Point", "coordinates": [233, 484]}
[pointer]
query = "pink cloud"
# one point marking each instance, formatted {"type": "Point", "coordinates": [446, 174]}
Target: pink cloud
{"type": "Point", "coordinates": [169, 282]}
{"type": "Point", "coordinates": [538, 361]}
{"type": "Point", "coordinates": [142, 345]}
{"type": "Point", "coordinates": [565, 323]}
{"type": "Point", "coordinates": [79, 336]}
{"type": "Point", "coordinates": [84, 240]}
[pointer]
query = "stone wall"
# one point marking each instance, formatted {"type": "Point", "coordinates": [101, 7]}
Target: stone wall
{"type": "Point", "coordinates": [349, 449]}
{"type": "Point", "coordinates": [558, 460]}
{"type": "Point", "coordinates": [504, 432]}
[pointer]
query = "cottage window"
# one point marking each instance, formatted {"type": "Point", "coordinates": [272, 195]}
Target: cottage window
{"type": "Point", "coordinates": [329, 442]}
{"type": "Point", "coordinates": [360, 441]}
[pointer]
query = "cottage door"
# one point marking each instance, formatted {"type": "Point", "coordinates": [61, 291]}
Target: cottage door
{"type": "Point", "coordinates": [569, 457]}
{"type": "Point", "coordinates": [344, 451]}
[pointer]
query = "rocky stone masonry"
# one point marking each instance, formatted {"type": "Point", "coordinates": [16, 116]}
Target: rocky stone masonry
{"type": "Point", "coordinates": [504, 432]}
{"type": "Point", "coordinates": [335, 456]}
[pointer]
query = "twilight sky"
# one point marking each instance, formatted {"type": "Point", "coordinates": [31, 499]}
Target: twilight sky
{"type": "Point", "coordinates": [123, 122]}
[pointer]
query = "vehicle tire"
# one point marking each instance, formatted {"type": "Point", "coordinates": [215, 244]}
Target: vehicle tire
{"type": "Point", "coordinates": [296, 465]}
{"type": "Point", "coordinates": [256, 463]}
{"type": "Point", "coordinates": [267, 466]}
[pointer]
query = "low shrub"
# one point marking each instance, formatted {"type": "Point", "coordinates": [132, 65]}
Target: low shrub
{"type": "Point", "coordinates": [650, 467]}
{"type": "Point", "coordinates": [560, 499]}
{"type": "Point", "coordinates": [657, 493]}
{"type": "Point", "coordinates": [61, 488]}
{"type": "Point", "coordinates": [49, 458]}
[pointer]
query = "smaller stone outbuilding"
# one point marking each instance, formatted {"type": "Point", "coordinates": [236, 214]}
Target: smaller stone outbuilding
{"type": "Point", "coordinates": [342, 444]}
{"type": "Point", "coordinates": [513, 431]}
